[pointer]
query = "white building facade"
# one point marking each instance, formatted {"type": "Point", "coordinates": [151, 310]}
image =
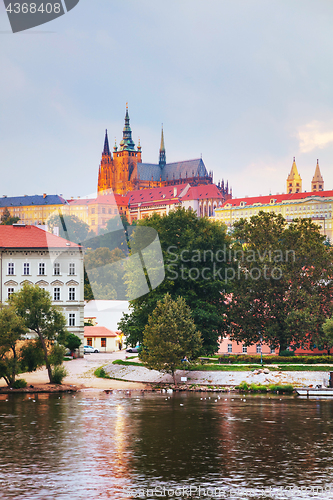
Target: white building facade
{"type": "Point", "coordinates": [31, 255]}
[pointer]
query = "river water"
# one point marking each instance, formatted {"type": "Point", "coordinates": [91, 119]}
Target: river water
{"type": "Point", "coordinates": [92, 445]}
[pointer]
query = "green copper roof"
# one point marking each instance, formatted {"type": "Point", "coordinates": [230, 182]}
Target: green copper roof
{"type": "Point", "coordinates": [127, 144]}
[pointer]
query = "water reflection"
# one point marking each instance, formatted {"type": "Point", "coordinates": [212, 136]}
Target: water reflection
{"type": "Point", "coordinates": [95, 446]}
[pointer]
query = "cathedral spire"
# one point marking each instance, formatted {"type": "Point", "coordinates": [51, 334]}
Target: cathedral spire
{"type": "Point", "coordinates": [106, 150]}
{"type": "Point", "coordinates": [127, 144]}
{"type": "Point", "coordinates": [294, 181]}
{"type": "Point", "coordinates": [317, 183]}
{"type": "Point", "coordinates": [162, 160]}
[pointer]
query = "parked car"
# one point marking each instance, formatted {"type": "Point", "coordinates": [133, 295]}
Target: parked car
{"type": "Point", "coordinates": [134, 349]}
{"type": "Point", "coordinates": [87, 349]}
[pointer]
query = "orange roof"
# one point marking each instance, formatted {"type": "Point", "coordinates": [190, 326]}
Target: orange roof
{"type": "Point", "coordinates": [160, 194]}
{"type": "Point", "coordinates": [98, 331]}
{"type": "Point", "coordinates": [265, 200]}
{"type": "Point", "coordinates": [22, 236]}
{"type": "Point", "coordinates": [203, 191]}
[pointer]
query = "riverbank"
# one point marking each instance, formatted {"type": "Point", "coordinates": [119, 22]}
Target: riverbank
{"type": "Point", "coordinates": [81, 377]}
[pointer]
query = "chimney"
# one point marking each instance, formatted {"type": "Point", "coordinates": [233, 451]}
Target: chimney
{"type": "Point", "coordinates": [175, 191]}
{"type": "Point", "coordinates": [56, 231]}
{"type": "Point", "coordinates": [44, 195]}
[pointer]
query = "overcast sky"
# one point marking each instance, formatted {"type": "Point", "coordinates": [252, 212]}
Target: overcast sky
{"type": "Point", "coordinates": [246, 84]}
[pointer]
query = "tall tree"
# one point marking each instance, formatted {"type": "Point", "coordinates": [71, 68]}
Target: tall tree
{"type": "Point", "coordinates": [70, 227]}
{"type": "Point", "coordinates": [12, 328]}
{"type": "Point", "coordinates": [34, 306]}
{"type": "Point", "coordinates": [169, 336]}
{"type": "Point", "coordinates": [282, 291]}
{"type": "Point", "coordinates": [7, 219]}
{"type": "Point", "coordinates": [196, 268]}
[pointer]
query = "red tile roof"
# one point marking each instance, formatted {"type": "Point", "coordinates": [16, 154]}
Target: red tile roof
{"type": "Point", "coordinates": [21, 236]}
{"type": "Point", "coordinates": [164, 195]}
{"type": "Point", "coordinates": [98, 331]}
{"type": "Point", "coordinates": [265, 200]}
{"type": "Point", "coordinates": [203, 192]}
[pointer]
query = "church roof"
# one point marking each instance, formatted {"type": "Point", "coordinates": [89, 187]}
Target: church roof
{"type": "Point", "coordinates": [183, 169]}
{"type": "Point", "coordinates": [165, 195]}
{"type": "Point", "coordinates": [202, 192]}
{"type": "Point", "coordinates": [317, 175]}
{"type": "Point", "coordinates": [171, 171]}
{"type": "Point", "coordinates": [294, 175]}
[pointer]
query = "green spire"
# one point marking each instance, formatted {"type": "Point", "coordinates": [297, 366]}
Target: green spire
{"type": "Point", "coordinates": [127, 144]}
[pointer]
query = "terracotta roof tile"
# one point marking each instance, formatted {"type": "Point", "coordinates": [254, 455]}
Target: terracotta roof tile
{"type": "Point", "coordinates": [21, 236]}
{"type": "Point", "coordinates": [98, 331]}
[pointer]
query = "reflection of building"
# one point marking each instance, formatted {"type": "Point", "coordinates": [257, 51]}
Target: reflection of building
{"type": "Point", "coordinates": [32, 209]}
{"type": "Point", "coordinates": [315, 205]}
{"type": "Point", "coordinates": [202, 199]}
{"type": "Point", "coordinates": [123, 171]}
{"type": "Point", "coordinates": [34, 256]}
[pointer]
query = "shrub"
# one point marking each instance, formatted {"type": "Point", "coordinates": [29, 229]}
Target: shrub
{"type": "Point", "coordinates": [100, 373]}
{"type": "Point", "coordinates": [57, 354]}
{"type": "Point", "coordinates": [286, 353]}
{"type": "Point", "coordinates": [58, 374]}
{"type": "Point", "coordinates": [19, 384]}
{"type": "Point", "coordinates": [243, 386]}
{"type": "Point", "coordinates": [281, 389]}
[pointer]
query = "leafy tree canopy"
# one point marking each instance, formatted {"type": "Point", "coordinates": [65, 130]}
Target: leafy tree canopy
{"type": "Point", "coordinates": [12, 328]}
{"type": "Point", "coordinates": [282, 291]}
{"type": "Point", "coordinates": [34, 306]}
{"type": "Point", "coordinates": [104, 275]}
{"type": "Point", "coordinates": [169, 336]}
{"type": "Point", "coordinates": [7, 219]}
{"type": "Point", "coordinates": [70, 227]}
{"type": "Point", "coordinates": [195, 261]}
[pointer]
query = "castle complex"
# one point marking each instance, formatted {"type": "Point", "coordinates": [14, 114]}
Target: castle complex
{"type": "Point", "coordinates": [123, 171]}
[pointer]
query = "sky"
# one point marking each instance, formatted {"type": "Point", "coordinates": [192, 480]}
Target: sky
{"type": "Point", "coordinates": [246, 84]}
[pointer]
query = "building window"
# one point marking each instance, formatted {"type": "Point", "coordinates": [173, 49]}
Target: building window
{"type": "Point", "coordinates": [10, 292]}
{"type": "Point", "coordinates": [71, 319]}
{"type": "Point", "coordinates": [11, 268]}
{"type": "Point", "coordinates": [229, 347]}
{"type": "Point", "coordinates": [71, 270]}
{"type": "Point", "coordinates": [103, 342]}
{"type": "Point", "coordinates": [258, 349]}
{"type": "Point", "coordinates": [56, 293]}
{"type": "Point", "coordinates": [89, 341]}
{"type": "Point", "coordinates": [109, 210]}
{"type": "Point", "coordinates": [71, 293]}
{"type": "Point", "coordinates": [92, 210]}
{"type": "Point", "coordinates": [56, 269]}
{"type": "Point", "coordinates": [26, 268]}
{"type": "Point", "coordinates": [244, 349]}
{"type": "Point", "coordinates": [92, 222]}
{"type": "Point", "coordinates": [103, 210]}
{"type": "Point", "coordinates": [41, 269]}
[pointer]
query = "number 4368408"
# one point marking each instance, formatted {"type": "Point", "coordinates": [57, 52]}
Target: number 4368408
{"type": "Point", "coordinates": [32, 8]}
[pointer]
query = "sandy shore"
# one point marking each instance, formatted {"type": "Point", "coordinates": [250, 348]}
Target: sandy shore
{"type": "Point", "coordinates": [81, 376]}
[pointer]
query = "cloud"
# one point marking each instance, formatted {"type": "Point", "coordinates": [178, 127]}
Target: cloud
{"type": "Point", "coordinates": [315, 135]}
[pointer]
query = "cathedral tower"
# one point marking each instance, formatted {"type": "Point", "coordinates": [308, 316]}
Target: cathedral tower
{"type": "Point", "coordinates": [105, 168]}
{"type": "Point", "coordinates": [162, 160]}
{"type": "Point", "coordinates": [294, 181]}
{"type": "Point", "coordinates": [317, 183]}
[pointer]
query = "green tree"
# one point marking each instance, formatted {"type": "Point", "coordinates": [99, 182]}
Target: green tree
{"type": "Point", "coordinates": [104, 276]}
{"type": "Point", "coordinates": [70, 227]}
{"type": "Point", "coordinates": [34, 306]}
{"type": "Point", "coordinates": [72, 342]}
{"type": "Point", "coordinates": [11, 330]}
{"type": "Point", "coordinates": [169, 336]}
{"type": "Point", "coordinates": [195, 260]}
{"type": "Point", "coordinates": [115, 223]}
{"type": "Point", "coordinates": [282, 290]}
{"type": "Point", "coordinates": [326, 338]}
{"type": "Point", "coordinates": [7, 219]}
